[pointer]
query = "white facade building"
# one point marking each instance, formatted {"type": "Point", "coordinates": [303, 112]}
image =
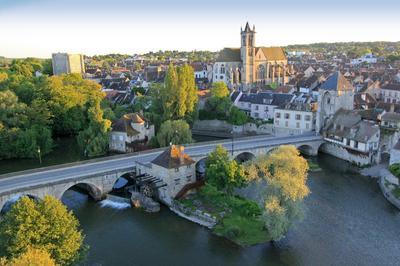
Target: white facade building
{"type": "Point", "coordinates": [295, 118]}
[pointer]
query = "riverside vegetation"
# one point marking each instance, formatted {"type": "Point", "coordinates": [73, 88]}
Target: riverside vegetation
{"type": "Point", "coordinates": [40, 230]}
{"type": "Point", "coordinates": [281, 178]}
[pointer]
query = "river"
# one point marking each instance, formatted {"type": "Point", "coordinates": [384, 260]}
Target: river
{"type": "Point", "coordinates": [348, 222]}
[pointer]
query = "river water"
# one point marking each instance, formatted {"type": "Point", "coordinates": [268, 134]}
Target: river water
{"type": "Point", "coordinates": [348, 222]}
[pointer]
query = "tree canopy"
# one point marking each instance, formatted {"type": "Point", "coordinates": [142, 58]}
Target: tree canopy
{"type": "Point", "coordinates": [175, 132]}
{"type": "Point", "coordinates": [285, 172]}
{"type": "Point", "coordinates": [223, 173]}
{"type": "Point", "coordinates": [34, 109]}
{"type": "Point", "coordinates": [31, 257]}
{"type": "Point", "coordinates": [219, 90]}
{"type": "Point", "coordinates": [41, 224]}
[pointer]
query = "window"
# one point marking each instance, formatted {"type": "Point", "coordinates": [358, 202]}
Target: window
{"type": "Point", "coordinates": [287, 115]}
{"type": "Point", "coordinates": [298, 117]}
{"type": "Point", "coordinates": [308, 117]}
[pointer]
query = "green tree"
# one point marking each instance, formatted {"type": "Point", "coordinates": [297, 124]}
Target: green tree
{"type": "Point", "coordinates": [237, 116]}
{"type": "Point", "coordinates": [175, 132]}
{"type": "Point", "coordinates": [94, 139]}
{"type": "Point", "coordinates": [178, 96]}
{"type": "Point", "coordinates": [44, 224]}
{"type": "Point", "coordinates": [223, 173]}
{"type": "Point", "coordinates": [219, 90]}
{"type": "Point", "coordinates": [285, 172]}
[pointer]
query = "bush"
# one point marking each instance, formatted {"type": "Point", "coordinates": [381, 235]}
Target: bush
{"type": "Point", "coordinates": [395, 169]}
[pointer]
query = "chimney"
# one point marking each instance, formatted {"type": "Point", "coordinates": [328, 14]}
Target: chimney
{"type": "Point", "coordinates": [181, 154]}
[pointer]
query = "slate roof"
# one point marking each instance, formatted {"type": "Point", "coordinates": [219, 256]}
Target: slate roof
{"type": "Point", "coordinates": [392, 86]}
{"type": "Point", "coordinates": [390, 116]}
{"type": "Point", "coordinates": [229, 55]}
{"type": "Point", "coordinates": [277, 99]}
{"type": "Point", "coordinates": [336, 82]}
{"type": "Point", "coordinates": [173, 157]}
{"type": "Point", "coordinates": [348, 124]}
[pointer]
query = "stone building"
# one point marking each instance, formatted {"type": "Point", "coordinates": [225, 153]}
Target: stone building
{"type": "Point", "coordinates": [129, 130]}
{"type": "Point", "coordinates": [334, 94]}
{"type": "Point", "coordinates": [249, 65]}
{"type": "Point", "coordinates": [352, 139]}
{"type": "Point", "coordinates": [174, 168]}
{"type": "Point", "coordinates": [64, 63]}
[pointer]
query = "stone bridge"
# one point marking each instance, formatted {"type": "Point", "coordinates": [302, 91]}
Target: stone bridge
{"type": "Point", "coordinates": [98, 176]}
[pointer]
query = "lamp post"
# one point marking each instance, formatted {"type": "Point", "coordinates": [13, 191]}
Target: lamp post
{"type": "Point", "coordinates": [40, 157]}
{"type": "Point", "coordinates": [232, 135]}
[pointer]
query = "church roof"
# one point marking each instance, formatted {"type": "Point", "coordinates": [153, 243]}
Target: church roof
{"type": "Point", "coordinates": [229, 55]}
{"type": "Point", "coordinates": [173, 157]}
{"type": "Point", "coordinates": [273, 53]}
{"type": "Point", "coordinates": [336, 82]}
{"type": "Point", "coordinates": [247, 28]}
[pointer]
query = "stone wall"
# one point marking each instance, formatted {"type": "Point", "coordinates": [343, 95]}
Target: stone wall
{"type": "Point", "coordinates": [223, 126]}
{"type": "Point", "coordinates": [344, 154]}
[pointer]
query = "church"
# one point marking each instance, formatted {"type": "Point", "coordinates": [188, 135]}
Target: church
{"type": "Point", "coordinates": [250, 65]}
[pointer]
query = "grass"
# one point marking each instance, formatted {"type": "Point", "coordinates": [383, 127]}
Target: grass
{"type": "Point", "coordinates": [245, 231]}
{"type": "Point", "coordinates": [313, 166]}
{"type": "Point", "coordinates": [239, 219]}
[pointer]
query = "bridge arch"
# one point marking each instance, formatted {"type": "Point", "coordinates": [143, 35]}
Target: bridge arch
{"type": "Point", "coordinates": [14, 199]}
{"type": "Point", "coordinates": [201, 168]}
{"type": "Point", "coordinates": [244, 157]}
{"type": "Point", "coordinates": [306, 149]}
{"type": "Point", "coordinates": [93, 190]}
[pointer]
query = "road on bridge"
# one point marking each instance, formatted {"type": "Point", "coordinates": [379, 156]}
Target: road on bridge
{"type": "Point", "coordinates": [25, 179]}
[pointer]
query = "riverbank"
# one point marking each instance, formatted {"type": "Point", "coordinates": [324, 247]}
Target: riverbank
{"type": "Point", "coordinates": [386, 182]}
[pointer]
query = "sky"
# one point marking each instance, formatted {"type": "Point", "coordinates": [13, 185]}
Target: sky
{"type": "Point", "coordinates": [38, 28]}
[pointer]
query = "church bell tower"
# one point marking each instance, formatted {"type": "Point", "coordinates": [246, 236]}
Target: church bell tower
{"type": "Point", "coordinates": [247, 53]}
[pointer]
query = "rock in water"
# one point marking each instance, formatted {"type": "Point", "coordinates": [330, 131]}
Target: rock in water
{"type": "Point", "coordinates": [138, 200]}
